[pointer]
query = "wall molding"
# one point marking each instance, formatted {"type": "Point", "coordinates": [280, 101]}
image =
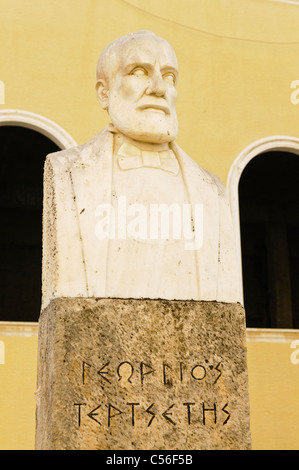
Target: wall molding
{"type": "Point", "coordinates": [36, 122]}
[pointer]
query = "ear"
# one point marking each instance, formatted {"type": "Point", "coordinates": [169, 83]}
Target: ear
{"type": "Point", "coordinates": [102, 93]}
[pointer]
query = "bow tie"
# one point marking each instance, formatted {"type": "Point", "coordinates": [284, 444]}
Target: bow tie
{"type": "Point", "coordinates": [131, 157]}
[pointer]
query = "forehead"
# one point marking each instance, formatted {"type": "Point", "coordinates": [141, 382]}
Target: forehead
{"type": "Point", "coordinates": [148, 50]}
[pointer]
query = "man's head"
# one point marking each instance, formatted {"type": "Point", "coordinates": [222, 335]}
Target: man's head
{"type": "Point", "coordinates": [136, 83]}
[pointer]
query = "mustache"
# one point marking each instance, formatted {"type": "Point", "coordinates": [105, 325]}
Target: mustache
{"type": "Point", "coordinates": [155, 103]}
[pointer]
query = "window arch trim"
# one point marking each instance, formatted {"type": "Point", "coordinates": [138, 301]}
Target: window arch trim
{"type": "Point", "coordinates": [39, 123]}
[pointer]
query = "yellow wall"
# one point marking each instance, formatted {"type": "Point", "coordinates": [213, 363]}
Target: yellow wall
{"type": "Point", "coordinates": [18, 363]}
{"type": "Point", "coordinates": [273, 369]}
{"type": "Point", "coordinates": [237, 62]}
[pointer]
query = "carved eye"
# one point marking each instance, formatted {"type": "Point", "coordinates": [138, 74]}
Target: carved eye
{"type": "Point", "coordinates": [170, 78]}
{"type": "Point", "coordinates": [139, 72]}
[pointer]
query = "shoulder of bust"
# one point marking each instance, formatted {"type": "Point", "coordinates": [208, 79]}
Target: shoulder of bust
{"type": "Point", "coordinates": [81, 155]}
{"type": "Point", "coordinates": [199, 172]}
{"type": "Point", "coordinates": [216, 181]}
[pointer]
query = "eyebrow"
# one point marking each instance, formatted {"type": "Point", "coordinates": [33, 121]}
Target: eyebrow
{"type": "Point", "coordinates": [170, 68]}
{"type": "Point", "coordinates": [133, 65]}
{"type": "Point", "coordinates": [164, 68]}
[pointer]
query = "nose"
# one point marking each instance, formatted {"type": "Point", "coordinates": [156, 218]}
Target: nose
{"type": "Point", "coordinates": [156, 86]}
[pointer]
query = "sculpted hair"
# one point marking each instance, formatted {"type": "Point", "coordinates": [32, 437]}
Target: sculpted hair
{"type": "Point", "coordinates": [112, 51]}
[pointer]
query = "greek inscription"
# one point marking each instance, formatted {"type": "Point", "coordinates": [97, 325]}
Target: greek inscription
{"type": "Point", "coordinates": [143, 373]}
{"type": "Point", "coordinates": [133, 411]}
{"type": "Point", "coordinates": [167, 414]}
{"type": "Point", "coordinates": [218, 370]}
{"type": "Point", "coordinates": [148, 410]}
{"type": "Point", "coordinates": [181, 371]}
{"type": "Point", "coordinates": [188, 405]}
{"type": "Point", "coordinates": [226, 412]}
{"type": "Point", "coordinates": [204, 410]}
{"type": "Point", "coordinates": [168, 374]}
{"type": "Point", "coordinates": [125, 366]}
{"type": "Point", "coordinates": [79, 411]}
{"type": "Point", "coordinates": [103, 372]}
{"type": "Point", "coordinates": [93, 413]}
{"type": "Point", "coordinates": [110, 413]}
{"type": "Point", "coordinates": [203, 413]}
{"type": "Point", "coordinates": [198, 372]}
{"type": "Point", "coordinates": [145, 369]}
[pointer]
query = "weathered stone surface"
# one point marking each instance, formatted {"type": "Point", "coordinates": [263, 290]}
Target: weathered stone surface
{"type": "Point", "coordinates": [142, 374]}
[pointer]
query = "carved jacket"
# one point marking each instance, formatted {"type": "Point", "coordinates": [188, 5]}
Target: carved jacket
{"type": "Point", "coordinates": [76, 180]}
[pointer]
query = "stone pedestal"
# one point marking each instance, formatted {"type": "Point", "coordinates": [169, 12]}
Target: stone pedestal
{"type": "Point", "coordinates": [126, 374]}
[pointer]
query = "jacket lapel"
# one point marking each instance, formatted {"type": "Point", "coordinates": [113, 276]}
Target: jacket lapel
{"type": "Point", "coordinates": [91, 179]}
{"type": "Point", "coordinates": [202, 190]}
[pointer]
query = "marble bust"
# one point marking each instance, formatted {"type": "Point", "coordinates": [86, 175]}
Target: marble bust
{"type": "Point", "coordinates": [129, 214]}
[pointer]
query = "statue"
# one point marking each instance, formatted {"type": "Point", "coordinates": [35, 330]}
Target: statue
{"type": "Point", "coordinates": [107, 202]}
{"type": "Point", "coordinates": [142, 341]}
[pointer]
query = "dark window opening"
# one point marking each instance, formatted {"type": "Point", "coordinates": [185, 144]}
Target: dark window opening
{"type": "Point", "coordinates": [22, 156]}
{"type": "Point", "coordinates": [269, 224]}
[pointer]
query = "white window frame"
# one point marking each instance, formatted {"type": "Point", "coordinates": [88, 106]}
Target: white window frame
{"type": "Point", "coordinates": [36, 122]}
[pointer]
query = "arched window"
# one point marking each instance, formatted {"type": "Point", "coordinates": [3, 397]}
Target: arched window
{"type": "Point", "coordinates": [269, 223]}
{"type": "Point", "coordinates": [268, 207]}
{"type": "Point", "coordinates": [22, 153]}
